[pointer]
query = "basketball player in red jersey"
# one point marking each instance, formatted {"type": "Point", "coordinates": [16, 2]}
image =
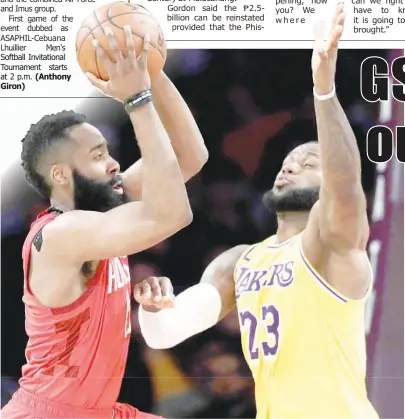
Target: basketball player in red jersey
{"type": "Point", "coordinates": [77, 284]}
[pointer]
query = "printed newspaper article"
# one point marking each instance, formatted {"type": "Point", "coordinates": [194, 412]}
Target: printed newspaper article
{"type": "Point", "coordinates": [202, 209]}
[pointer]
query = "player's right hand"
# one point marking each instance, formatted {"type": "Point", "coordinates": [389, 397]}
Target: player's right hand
{"type": "Point", "coordinates": [127, 75]}
{"type": "Point", "coordinates": [154, 292]}
{"type": "Point", "coordinates": [324, 56]}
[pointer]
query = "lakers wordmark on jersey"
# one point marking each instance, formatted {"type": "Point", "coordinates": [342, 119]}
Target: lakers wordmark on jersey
{"type": "Point", "coordinates": [304, 341]}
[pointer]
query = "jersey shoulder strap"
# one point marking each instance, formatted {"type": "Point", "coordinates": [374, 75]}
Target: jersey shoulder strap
{"type": "Point", "coordinates": [35, 236]}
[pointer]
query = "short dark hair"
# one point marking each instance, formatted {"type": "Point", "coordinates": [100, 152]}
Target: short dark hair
{"type": "Point", "coordinates": [40, 139]}
{"type": "Point", "coordinates": [299, 144]}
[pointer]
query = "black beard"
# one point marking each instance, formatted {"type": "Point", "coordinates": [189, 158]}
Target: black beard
{"type": "Point", "coordinates": [293, 200]}
{"type": "Point", "coordinates": [95, 195]}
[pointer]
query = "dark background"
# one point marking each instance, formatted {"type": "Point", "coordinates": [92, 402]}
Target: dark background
{"type": "Point", "coordinates": [252, 107]}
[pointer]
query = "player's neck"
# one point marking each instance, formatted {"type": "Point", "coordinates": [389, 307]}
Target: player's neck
{"type": "Point", "coordinates": [61, 204]}
{"type": "Point", "coordinates": [289, 224]}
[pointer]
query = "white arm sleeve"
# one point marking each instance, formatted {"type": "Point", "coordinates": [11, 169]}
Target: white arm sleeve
{"type": "Point", "coordinates": [195, 310]}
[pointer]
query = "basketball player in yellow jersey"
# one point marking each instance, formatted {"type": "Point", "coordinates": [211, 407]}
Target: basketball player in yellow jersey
{"type": "Point", "coordinates": [300, 294]}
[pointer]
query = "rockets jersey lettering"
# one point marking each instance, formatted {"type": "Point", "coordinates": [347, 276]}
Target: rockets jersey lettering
{"type": "Point", "coordinates": [76, 354]}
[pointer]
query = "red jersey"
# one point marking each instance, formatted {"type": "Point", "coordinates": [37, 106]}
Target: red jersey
{"type": "Point", "coordinates": [76, 354]}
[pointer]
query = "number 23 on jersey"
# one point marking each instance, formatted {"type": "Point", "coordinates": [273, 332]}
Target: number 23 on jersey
{"type": "Point", "coordinates": [251, 327]}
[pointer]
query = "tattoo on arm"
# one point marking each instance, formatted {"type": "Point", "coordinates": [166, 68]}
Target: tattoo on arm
{"type": "Point", "coordinates": [38, 240]}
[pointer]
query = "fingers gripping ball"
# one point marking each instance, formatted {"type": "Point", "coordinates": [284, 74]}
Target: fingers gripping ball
{"type": "Point", "coordinates": [115, 16]}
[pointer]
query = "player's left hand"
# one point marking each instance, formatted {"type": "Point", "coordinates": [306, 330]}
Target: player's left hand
{"type": "Point", "coordinates": [325, 52]}
{"type": "Point", "coordinates": [127, 75]}
{"type": "Point", "coordinates": [155, 292]}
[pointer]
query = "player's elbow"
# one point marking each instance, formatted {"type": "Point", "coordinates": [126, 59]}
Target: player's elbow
{"type": "Point", "coordinates": [158, 343]}
{"type": "Point", "coordinates": [179, 218]}
{"type": "Point", "coordinates": [161, 333]}
{"type": "Point", "coordinates": [186, 217]}
{"type": "Point", "coordinates": [190, 166]}
{"type": "Point", "coordinates": [201, 159]}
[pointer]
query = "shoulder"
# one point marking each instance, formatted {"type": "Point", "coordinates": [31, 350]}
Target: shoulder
{"type": "Point", "coordinates": [226, 261]}
{"type": "Point", "coordinates": [71, 219]}
{"type": "Point", "coordinates": [235, 253]}
{"type": "Point", "coordinates": [241, 249]}
{"type": "Point", "coordinates": [70, 224]}
{"type": "Point", "coordinates": [346, 268]}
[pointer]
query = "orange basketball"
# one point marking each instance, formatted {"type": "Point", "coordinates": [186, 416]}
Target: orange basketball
{"type": "Point", "coordinates": [116, 15]}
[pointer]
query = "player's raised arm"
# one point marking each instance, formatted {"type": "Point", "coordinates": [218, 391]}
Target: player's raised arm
{"type": "Point", "coordinates": [164, 209]}
{"type": "Point", "coordinates": [183, 132]}
{"type": "Point", "coordinates": [341, 215]}
{"type": "Point", "coordinates": [165, 322]}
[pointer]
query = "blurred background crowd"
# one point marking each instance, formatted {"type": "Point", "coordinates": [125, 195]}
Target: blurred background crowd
{"type": "Point", "coordinates": [252, 107]}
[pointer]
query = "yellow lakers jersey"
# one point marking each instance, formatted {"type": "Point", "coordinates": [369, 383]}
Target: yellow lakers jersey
{"type": "Point", "coordinates": [304, 341]}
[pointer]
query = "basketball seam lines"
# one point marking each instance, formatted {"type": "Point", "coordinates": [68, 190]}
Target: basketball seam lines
{"type": "Point", "coordinates": [129, 13]}
{"type": "Point", "coordinates": [102, 30]}
{"type": "Point", "coordinates": [96, 58]}
{"type": "Point", "coordinates": [95, 53]}
{"type": "Point", "coordinates": [132, 6]}
{"type": "Point", "coordinates": [118, 27]}
{"type": "Point", "coordinates": [99, 23]}
{"type": "Point", "coordinates": [81, 46]}
{"type": "Point", "coordinates": [133, 33]}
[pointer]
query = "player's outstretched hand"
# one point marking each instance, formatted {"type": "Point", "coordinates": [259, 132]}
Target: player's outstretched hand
{"type": "Point", "coordinates": [155, 291]}
{"type": "Point", "coordinates": [127, 75]}
{"type": "Point", "coordinates": [324, 56]}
